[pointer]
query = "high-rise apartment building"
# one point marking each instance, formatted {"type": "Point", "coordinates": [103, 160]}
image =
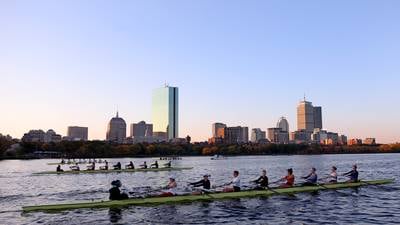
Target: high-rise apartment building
{"type": "Point", "coordinates": [257, 135]}
{"type": "Point", "coordinates": [116, 130]}
{"type": "Point", "coordinates": [75, 133]}
{"type": "Point", "coordinates": [218, 130]}
{"type": "Point", "coordinates": [165, 111]}
{"type": "Point", "coordinates": [141, 129]}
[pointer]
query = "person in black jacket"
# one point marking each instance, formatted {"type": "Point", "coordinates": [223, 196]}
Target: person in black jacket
{"type": "Point", "coordinates": [115, 192]}
{"type": "Point", "coordinates": [262, 181]}
{"type": "Point", "coordinates": [204, 183]}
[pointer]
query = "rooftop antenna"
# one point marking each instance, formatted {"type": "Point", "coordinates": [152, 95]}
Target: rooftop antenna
{"type": "Point", "coordinates": [304, 96]}
{"type": "Point", "coordinates": [117, 112]}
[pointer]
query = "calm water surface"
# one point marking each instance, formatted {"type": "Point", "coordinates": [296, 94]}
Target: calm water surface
{"type": "Point", "coordinates": [367, 205]}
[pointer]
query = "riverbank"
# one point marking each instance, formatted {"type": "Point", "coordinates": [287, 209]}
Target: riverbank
{"type": "Point", "coordinates": [100, 149]}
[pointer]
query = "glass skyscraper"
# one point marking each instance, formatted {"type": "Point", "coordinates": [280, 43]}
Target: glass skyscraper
{"type": "Point", "coordinates": [165, 111]}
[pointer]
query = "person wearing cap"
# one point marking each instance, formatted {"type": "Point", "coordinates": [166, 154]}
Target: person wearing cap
{"type": "Point", "coordinates": [352, 175]}
{"type": "Point", "coordinates": [115, 192]}
{"type": "Point", "coordinates": [234, 185]}
{"type": "Point", "coordinates": [311, 178]}
{"type": "Point", "coordinates": [262, 181]}
{"type": "Point", "coordinates": [204, 183]}
{"type": "Point", "coordinates": [289, 178]}
{"type": "Point", "coordinates": [171, 188]}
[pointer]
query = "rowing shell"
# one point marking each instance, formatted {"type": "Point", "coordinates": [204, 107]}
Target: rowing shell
{"type": "Point", "coordinates": [116, 171]}
{"type": "Point", "coordinates": [194, 198]}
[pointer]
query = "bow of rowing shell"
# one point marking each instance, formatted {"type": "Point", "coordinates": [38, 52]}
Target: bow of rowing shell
{"type": "Point", "coordinates": [193, 198]}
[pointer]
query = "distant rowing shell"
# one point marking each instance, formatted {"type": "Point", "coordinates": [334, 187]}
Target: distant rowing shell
{"type": "Point", "coordinates": [194, 198]}
{"type": "Point", "coordinates": [115, 171]}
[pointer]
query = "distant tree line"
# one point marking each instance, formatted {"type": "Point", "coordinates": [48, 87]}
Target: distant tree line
{"type": "Point", "coordinates": [102, 149]}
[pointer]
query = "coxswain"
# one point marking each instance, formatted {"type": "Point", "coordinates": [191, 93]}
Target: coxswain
{"type": "Point", "coordinates": [352, 175]}
{"type": "Point", "coordinates": [289, 178]}
{"type": "Point", "coordinates": [311, 178]}
{"type": "Point", "coordinates": [170, 188]}
{"type": "Point", "coordinates": [234, 185]}
{"type": "Point", "coordinates": [115, 192]}
{"type": "Point", "coordinates": [262, 181]}
{"type": "Point", "coordinates": [154, 165]}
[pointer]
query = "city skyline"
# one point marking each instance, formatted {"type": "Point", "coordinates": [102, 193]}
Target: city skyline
{"type": "Point", "coordinates": [62, 66]}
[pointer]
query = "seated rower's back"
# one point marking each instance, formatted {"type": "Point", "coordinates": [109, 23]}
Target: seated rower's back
{"type": "Point", "coordinates": [115, 192]}
{"type": "Point", "coordinates": [312, 178]}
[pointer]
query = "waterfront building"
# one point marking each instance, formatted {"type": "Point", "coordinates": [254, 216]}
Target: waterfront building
{"type": "Point", "coordinates": [75, 133]}
{"type": "Point", "coordinates": [141, 129]}
{"type": "Point", "coordinates": [342, 140]}
{"type": "Point", "coordinates": [283, 124]}
{"type": "Point", "coordinates": [319, 136]}
{"type": "Point", "coordinates": [300, 136]}
{"type": "Point", "coordinates": [41, 136]}
{"type": "Point", "coordinates": [317, 113]}
{"type": "Point", "coordinates": [278, 136]}
{"type": "Point", "coordinates": [218, 130]}
{"type": "Point", "coordinates": [236, 135]}
{"type": "Point", "coordinates": [116, 130]}
{"type": "Point", "coordinates": [369, 141]}
{"type": "Point", "coordinates": [354, 141]}
{"type": "Point", "coordinates": [333, 138]}
{"type": "Point", "coordinates": [165, 111]}
{"type": "Point", "coordinates": [160, 136]}
{"type": "Point", "coordinates": [257, 135]}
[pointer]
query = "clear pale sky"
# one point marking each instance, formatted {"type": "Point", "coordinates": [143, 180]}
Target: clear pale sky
{"type": "Point", "coordinates": [239, 62]}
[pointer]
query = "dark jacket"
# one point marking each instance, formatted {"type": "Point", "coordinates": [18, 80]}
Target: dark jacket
{"type": "Point", "coordinates": [202, 183]}
{"type": "Point", "coordinates": [262, 181]}
{"type": "Point", "coordinates": [115, 194]}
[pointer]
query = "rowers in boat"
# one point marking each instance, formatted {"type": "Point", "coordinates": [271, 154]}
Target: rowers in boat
{"type": "Point", "coordinates": [234, 185]}
{"type": "Point", "coordinates": [352, 175]}
{"type": "Point", "coordinates": [262, 181]}
{"type": "Point", "coordinates": [117, 166]}
{"type": "Point", "coordinates": [289, 178]}
{"type": "Point", "coordinates": [144, 165]}
{"type": "Point", "coordinates": [105, 167]}
{"type": "Point", "coordinates": [59, 169]}
{"type": "Point", "coordinates": [75, 167]}
{"type": "Point", "coordinates": [204, 184]}
{"type": "Point", "coordinates": [154, 165]}
{"type": "Point", "coordinates": [115, 192]}
{"type": "Point", "coordinates": [311, 179]}
{"type": "Point", "coordinates": [170, 188]}
{"type": "Point", "coordinates": [130, 166]}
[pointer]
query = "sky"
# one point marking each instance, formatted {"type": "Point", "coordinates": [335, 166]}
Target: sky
{"type": "Point", "coordinates": [245, 63]}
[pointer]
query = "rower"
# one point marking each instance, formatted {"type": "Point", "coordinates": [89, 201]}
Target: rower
{"type": "Point", "coordinates": [117, 166]}
{"type": "Point", "coordinates": [75, 167]}
{"type": "Point", "coordinates": [311, 178]}
{"type": "Point", "coordinates": [59, 169]}
{"type": "Point", "coordinates": [105, 167]}
{"type": "Point", "coordinates": [262, 181]}
{"type": "Point", "coordinates": [115, 192]}
{"type": "Point", "coordinates": [168, 165]}
{"type": "Point", "coordinates": [289, 178]}
{"type": "Point", "coordinates": [234, 184]}
{"type": "Point", "coordinates": [171, 188]}
{"type": "Point", "coordinates": [92, 166]}
{"type": "Point", "coordinates": [154, 165]}
{"type": "Point", "coordinates": [130, 166]}
{"type": "Point", "coordinates": [204, 183]}
{"type": "Point", "coordinates": [353, 174]}
{"type": "Point", "coordinates": [62, 161]}
{"type": "Point", "coordinates": [332, 178]}
{"type": "Point", "coordinates": [144, 165]}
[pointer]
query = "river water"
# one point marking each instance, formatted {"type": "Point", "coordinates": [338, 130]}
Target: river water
{"type": "Point", "coordinates": [366, 205]}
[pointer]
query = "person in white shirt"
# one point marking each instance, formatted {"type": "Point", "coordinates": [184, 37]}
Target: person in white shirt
{"type": "Point", "coordinates": [171, 188]}
{"type": "Point", "coordinates": [234, 185]}
{"type": "Point", "coordinates": [333, 175]}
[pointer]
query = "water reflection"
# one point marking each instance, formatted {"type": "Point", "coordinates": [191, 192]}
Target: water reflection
{"type": "Point", "coordinates": [115, 215]}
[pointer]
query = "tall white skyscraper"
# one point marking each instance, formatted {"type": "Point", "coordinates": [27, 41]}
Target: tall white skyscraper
{"type": "Point", "coordinates": [165, 111]}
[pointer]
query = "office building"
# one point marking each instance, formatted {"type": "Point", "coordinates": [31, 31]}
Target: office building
{"type": "Point", "coordinates": [342, 140]}
{"type": "Point", "coordinates": [75, 133]}
{"type": "Point", "coordinates": [300, 136]}
{"type": "Point", "coordinates": [283, 124]}
{"type": "Point", "coordinates": [305, 116]}
{"type": "Point", "coordinates": [354, 141]}
{"type": "Point", "coordinates": [41, 136]}
{"type": "Point", "coordinates": [317, 113]}
{"type": "Point", "coordinates": [369, 141]}
{"type": "Point", "coordinates": [141, 129]}
{"type": "Point", "coordinates": [236, 135]}
{"type": "Point", "coordinates": [165, 111]}
{"type": "Point", "coordinates": [277, 136]}
{"type": "Point", "coordinates": [257, 135]}
{"type": "Point", "coordinates": [116, 131]}
{"type": "Point", "coordinates": [319, 136]}
{"type": "Point", "coordinates": [218, 130]}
